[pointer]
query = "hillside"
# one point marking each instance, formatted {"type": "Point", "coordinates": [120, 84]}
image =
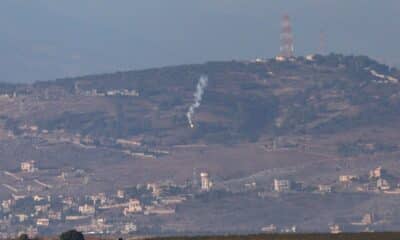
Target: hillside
{"type": "Point", "coordinates": [309, 120]}
{"type": "Point", "coordinates": [244, 100]}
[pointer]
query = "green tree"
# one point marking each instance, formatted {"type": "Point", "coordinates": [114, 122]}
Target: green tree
{"type": "Point", "coordinates": [23, 237]}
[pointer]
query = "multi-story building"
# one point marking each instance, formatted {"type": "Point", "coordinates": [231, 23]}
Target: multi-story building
{"type": "Point", "coordinates": [155, 189]}
{"type": "Point", "coordinates": [282, 185]}
{"type": "Point", "coordinates": [43, 222]}
{"type": "Point", "coordinates": [32, 232]}
{"type": "Point", "coordinates": [129, 228]}
{"type": "Point", "coordinates": [121, 194]}
{"type": "Point", "coordinates": [335, 229]}
{"type": "Point", "coordinates": [38, 198]}
{"type": "Point", "coordinates": [54, 215]}
{"type": "Point", "coordinates": [382, 184]}
{"type": "Point", "coordinates": [21, 217]}
{"type": "Point", "coordinates": [133, 207]}
{"type": "Point", "coordinates": [376, 173]}
{"type": "Point", "coordinates": [99, 198]}
{"type": "Point", "coordinates": [324, 188]}
{"type": "Point", "coordinates": [347, 178]}
{"type": "Point", "coordinates": [28, 166]}
{"type": "Point", "coordinates": [87, 209]}
{"type": "Point", "coordinates": [42, 208]}
{"type": "Point", "coordinates": [68, 202]}
{"type": "Point", "coordinates": [7, 204]}
{"type": "Point", "coordinates": [367, 219]}
{"type": "Point", "coordinates": [206, 183]}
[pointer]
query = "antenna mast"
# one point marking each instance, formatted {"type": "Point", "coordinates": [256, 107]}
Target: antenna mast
{"type": "Point", "coordinates": [287, 48]}
{"type": "Point", "coordinates": [322, 43]}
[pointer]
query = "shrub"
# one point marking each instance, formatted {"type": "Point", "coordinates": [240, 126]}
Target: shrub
{"type": "Point", "coordinates": [72, 235]}
{"type": "Point", "coordinates": [23, 237]}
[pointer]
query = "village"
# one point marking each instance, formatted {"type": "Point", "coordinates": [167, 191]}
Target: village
{"type": "Point", "coordinates": [34, 210]}
{"type": "Point", "coordinates": [82, 176]}
{"type": "Point", "coordinates": [39, 206]}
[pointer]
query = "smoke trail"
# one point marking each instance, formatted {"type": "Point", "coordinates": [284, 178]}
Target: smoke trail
{"type": "Point", "coordinates": [201, 85]}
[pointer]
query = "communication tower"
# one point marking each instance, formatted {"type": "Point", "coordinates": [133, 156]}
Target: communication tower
{"type": "Point", "coordinates": [322, 43]}
{"type": "Point", "coordinates": [287, 47]}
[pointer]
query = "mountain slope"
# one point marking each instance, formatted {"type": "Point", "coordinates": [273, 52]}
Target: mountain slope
{"type": "Point", "coordinates": [244, 100]}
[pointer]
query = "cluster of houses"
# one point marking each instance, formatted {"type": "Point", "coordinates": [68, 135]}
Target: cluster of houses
{"type": "Point", "coordinates": [43, 214]}
{"type": "Point", "coordinates": [101, 213]}
{"type": "Point", "coordinates": [116, 212]}
{"type": "Point", "coordinates": [378, 180]}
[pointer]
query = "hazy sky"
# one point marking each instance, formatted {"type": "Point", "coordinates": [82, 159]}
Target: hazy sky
{"type": "Point", "coordinates": [48, 39]}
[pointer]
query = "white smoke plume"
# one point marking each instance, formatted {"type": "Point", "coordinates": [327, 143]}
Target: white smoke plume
{"type": "Point", "coordinates": [201, 85]}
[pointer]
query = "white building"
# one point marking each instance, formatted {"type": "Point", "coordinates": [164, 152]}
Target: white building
{"type": "Point", "coordinates": [86, 209]}
{"type": "Point", "coordinates": [335, 229]}
{"type": "Point", "coordinates": [38, 198]}
{"type": "Point", "coordinates": [269, 229]}
{"type": "Point", "coordinates": [44, 222]}
{"type": "Point", "coordinates": [32, 232]}
{"type": "Point", "coordinates": [324, 188]}
{"type": "Point", "coordinates": [382, 184]}
{"type": "Point", "coordinates": [347, 178]}
{"type": "Point", "coordinates": [54, 215]}
{"type": "Point", "coordinates": [310, 57]}
{"type": "Point", "coordinates": [129, 228]}
{"type": "Point", "coordinates": [133, 207]}
{"type": "Point", "coordinates": [367, 219]}
{"type": "Point", "coordinates": [206, 184]}
{"type": "Point", "coordinates": [100, 197]}
{"type": "Point", "coordinates": [280, 58]}
{"type": "Point", "coordinates": [28, 166]}
{"type": "Point", "coordinates": [154, 188]}
{"type": "Point", "coordinates": [121, 194]}
{"type": "Point", "coordinates": [42, 208]}
{"type": "Point", "coordinates": [22, 217]}
{"type": "Point", "coordinates": [18, 197]}
{"type": "Point", "coordinates": [7, 204]}
{"type": "Point", "coordinates": [173, 200]}
{"type": "Point", "coordinates": [68, 201]}
{"type": "Point", "coordinates": [282, 185]}
{"type": "Point", "coordinates": [158, 210]}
